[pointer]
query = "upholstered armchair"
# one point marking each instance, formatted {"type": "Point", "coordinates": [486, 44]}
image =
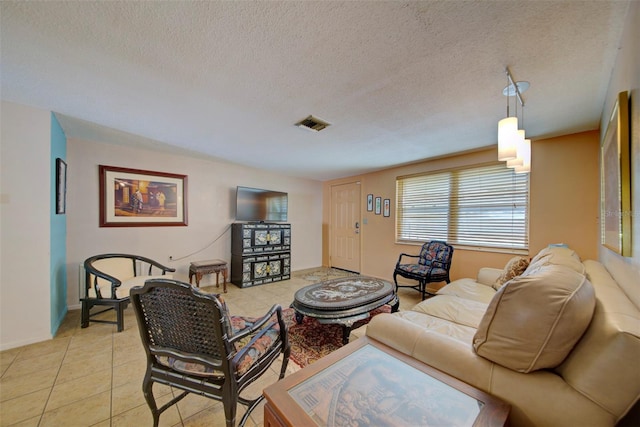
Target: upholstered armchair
{"type": "Point", "coordinates": [432, 264]}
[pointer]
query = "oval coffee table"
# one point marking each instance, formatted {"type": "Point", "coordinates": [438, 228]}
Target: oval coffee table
{"type": "Point", "coordinates": [344, 301]}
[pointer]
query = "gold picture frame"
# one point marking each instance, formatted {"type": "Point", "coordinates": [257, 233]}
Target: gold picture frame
{"type": "Point", "coordinates": [616, 180]}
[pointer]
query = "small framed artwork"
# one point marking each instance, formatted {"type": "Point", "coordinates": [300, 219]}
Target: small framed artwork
{"type": "Point", "coordinates": [140, 198]}
{"type": "Point", "coordinates": [370, 202]}
{"type": "Point", "coordinates": [61, 186]}
{"type": "Point", "coordinates": [616, 180]}
{"type": "Point", "coordinates": [386, 209]}
{"type": "Point", "coordinates": [378, 205]}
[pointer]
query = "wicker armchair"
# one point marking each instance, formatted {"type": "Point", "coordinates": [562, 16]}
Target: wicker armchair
{"type": "Point", "coordinates": [433, 264]}
{"type": "Point", "coordinates": [192, 344]}
{"type": "Point", "coordinates": [108, 279]}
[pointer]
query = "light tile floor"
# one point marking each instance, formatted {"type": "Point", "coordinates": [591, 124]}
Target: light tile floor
{"type": "Point", "coordinates": [93, 376]}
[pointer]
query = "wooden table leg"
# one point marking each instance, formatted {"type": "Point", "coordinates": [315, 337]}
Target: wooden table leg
{"type": "Point", "coordinates": [224, 279]}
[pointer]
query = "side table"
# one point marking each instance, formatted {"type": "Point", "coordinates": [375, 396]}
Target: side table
{"type": "Point", "coordinates": [366, 380]}
{"type": "Point", "coordinates": [200, 268]}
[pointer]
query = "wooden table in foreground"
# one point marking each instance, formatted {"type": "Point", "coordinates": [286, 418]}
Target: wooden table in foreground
{"type": "Point", "coordinates": [368, 383]}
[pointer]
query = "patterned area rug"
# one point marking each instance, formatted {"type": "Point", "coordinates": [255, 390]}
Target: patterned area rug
{"type": "Point", "coordinates": [312, 340]}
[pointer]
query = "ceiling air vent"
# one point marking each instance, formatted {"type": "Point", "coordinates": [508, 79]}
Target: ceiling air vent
{"type": "Point", "coordinates": [313, 124]}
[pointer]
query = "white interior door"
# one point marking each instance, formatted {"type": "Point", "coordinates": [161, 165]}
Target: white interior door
{"type": "Point", "coordinates": [345, 226]}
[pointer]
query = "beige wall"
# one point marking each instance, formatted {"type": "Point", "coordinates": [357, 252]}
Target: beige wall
{"type": "Point", "coordinates": [564, 197]}
{"type": "Point", "coordinates": [25, 218]}
{"type": "Point", "coordinates": [565, 193]}
{"type": "Point", "coordinates": [626, 77]}
{"type": "Point", "coordinates": [211, 210]}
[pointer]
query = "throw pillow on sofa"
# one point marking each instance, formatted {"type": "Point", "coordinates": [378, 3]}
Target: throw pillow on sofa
{"type": "Point", "coordinates": [534, 320]}
{"type": "Point", "coordinates": [515, 267]}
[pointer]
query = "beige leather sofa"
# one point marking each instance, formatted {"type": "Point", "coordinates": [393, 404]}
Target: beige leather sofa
{"type": "Point", "coordinates": [560, 342]}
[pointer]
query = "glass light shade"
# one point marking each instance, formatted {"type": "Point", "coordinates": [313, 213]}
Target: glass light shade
{"type": "Point", "coordinates": [507, 135]}
{"type": "Point", "coordinates": [519, 160]}
{"type": "Point", "coordinates": [526, 158]}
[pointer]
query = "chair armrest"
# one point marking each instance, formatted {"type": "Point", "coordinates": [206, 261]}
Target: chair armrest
{"type": "Point", "coordinates": [487, 275]}
{"type": "Point", "coordinates": [91, 271]}
{"type": "Point", "coordinates": [260, 322]}
{"type": "Point", "coordinates": [259, 327]}
{"type": "Point", "coordinates": [152, 264]}
{"type": "Point", "coordinates": [406, 255]}
{"type": "Point", "coordinates": [114, 281]}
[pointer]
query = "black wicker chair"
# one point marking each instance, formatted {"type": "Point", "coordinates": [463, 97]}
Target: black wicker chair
{"type": "Point", "coordinates": [108, 279]}
{"type": "Point", "coordinates": [192, 344]}
{"type": "Point", "coordinates": [433, 264]}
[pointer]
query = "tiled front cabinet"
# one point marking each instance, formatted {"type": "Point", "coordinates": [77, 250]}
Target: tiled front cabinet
{"type": "Point", "coordinates": [260, 253]}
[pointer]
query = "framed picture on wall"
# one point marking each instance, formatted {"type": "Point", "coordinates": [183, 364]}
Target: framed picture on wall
{"type": "Point", "coordinates": [61, 186]}
{"type": "Point", "coordinates": [616, 180]}
{"type": "Point", "coordinates": [386, 209]}
{"type": "Point", "coordinates": [141, 198]}
{"type": "Point", "coordinates": [378, 205]}
{"type": "Point", "coordinates": [370, 202]}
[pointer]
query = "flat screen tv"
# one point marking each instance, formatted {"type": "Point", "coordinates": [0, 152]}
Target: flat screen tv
{"type": "Point", "coordinates": [258, 205]}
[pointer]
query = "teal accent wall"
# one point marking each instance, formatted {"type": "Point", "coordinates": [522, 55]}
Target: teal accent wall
{"type": "Point", "coordinates": [58, 233]}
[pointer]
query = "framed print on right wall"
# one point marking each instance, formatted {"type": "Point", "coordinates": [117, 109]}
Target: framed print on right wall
{"type": "Point", "coordinates": [378, 205]}
{"type": "Point", "coordinates": [386, 209]}
{"type": "Point", "coordinates": [616, 180]}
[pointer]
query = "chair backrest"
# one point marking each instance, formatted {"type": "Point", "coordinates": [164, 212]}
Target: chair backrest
{"type": "Point", "coordinates": [120, 267]}
{"type": "Point", "coordinates": [101, 271]}
{"type": "Point", "coordinates": [176, 320]}
{"type": "Point", "coordinates": [436, 253]}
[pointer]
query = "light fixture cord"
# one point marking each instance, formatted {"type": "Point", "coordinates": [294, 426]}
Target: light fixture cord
{"type": "Point", "coordinates": [515, 92]}
{"type": "Point", "coordinates": [507, 73]}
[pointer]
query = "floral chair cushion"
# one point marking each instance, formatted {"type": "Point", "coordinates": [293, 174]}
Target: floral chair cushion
{"type": "Point", "coordinates": [234, 325]}
{"type": "Point", "coordinates": [419, 269]}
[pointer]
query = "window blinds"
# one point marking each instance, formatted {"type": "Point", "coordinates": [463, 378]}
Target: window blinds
{"type": "Point", "coordinates": [484, 206]}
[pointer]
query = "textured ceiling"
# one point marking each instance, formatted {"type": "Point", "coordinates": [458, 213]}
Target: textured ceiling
{"type": "Point", "coordinates": [398, 81]}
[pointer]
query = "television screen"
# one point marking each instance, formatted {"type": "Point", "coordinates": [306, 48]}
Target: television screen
{"type": "Point", "coordinates": [255, 204]}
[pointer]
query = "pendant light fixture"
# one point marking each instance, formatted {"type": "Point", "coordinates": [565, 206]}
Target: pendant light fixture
{"type": "Point", "coordinates": [513, 147]}
{"type": "Point", "coordinates": [523, 151]}
{"type": "Point", "coordinates": [526, 158]}
{"type": "Point", "coordinates": [507, 129]}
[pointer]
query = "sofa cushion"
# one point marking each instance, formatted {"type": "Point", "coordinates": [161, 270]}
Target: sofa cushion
{"type": "Point", "coordinates": [515, 267]}
{"type": "Point", "coordinates": [456, 331]}
{"type": "Point", "coordinates": [468, 289]}
{"type": "Point", "coordinates": [555, 255]}
{"type": "Point", "coordinates": [604, 364]}
{"type": "Point", "coordinates": [462, 311]}
{"type": "Point", "coordinates": [535, 320]}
